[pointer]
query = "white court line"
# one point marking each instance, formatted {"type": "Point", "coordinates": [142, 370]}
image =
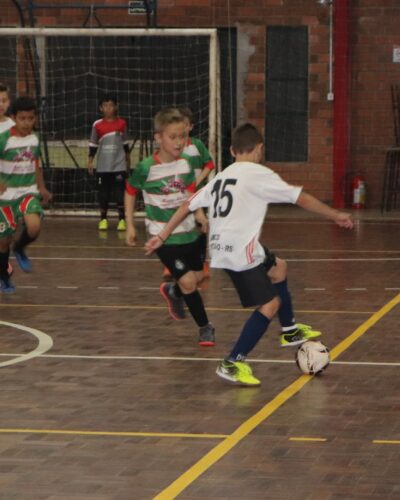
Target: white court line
{"type": "Point", "coordinates": [148, 287]}
{"type": "Point", "coordinates": [119, 259]}
{"type": "Point", "coordinates": [187, 358]}
{"type": "Point", "coordinates": [45, 342]}
{"type": "Point", "coordinates": [28, 286]}
{"type": "Point", "coordinates": [67, 287]}
{"type": "Point", "coordinates": [355, 289]}
{"type": "Point", "coordinates": [108, 287]}
{"type": "Point", "coordinates": [392, 289]}
{"type": "Point", "coordinates": [314, 289]}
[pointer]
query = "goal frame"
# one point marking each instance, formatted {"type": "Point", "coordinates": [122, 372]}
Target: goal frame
{"type": "Point", "coordinates": [214, 118]}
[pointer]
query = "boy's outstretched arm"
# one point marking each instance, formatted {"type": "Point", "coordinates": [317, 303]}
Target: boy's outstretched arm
{"type": "Point", "coordinates": [312, 204]}
{"type": "Point", "coordinates": [46, 195]}
{"type": "Point", "coordinates": [156, 241]}
{"type": "Point", "coordinates": [129, 202]}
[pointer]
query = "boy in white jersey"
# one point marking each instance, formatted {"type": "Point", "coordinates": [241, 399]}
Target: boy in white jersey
{"type": "Point", "coordinates": [166, 180]}
{"type": "Point", "coordinates": [5, 124]}
{"type": "Point", "coordinates": [21, 183]}
{"type": "Point", "coordinates": [238, 199]}
{"type": "Point", "coordinates": [110, 142]}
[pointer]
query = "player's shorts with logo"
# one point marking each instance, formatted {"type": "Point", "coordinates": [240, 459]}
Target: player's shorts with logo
{"type": "Point", "coordinates": [180, 259]}
{"type": "Point", "coordinates": [254, 286]}
{"type": "Point", "coordinates": [12, 211]}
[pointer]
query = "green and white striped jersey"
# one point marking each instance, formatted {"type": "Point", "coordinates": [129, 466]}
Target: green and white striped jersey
{"type": "Point", "coordinates": [165, 187]}
{"type": "Point", "coordinates": [18, 159]}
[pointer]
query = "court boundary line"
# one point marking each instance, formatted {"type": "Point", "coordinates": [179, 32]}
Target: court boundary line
{"type": "Point", "coordinates": [45, 343]}
{"type": "Point", "coordinates": [113, 433]}
{"type": "Point", "coordinates": [10, 305]}
{"type": "Point", "coordinates": [154, 260]}
{"type": "Point", "coordinates": [139, 247]}
{"type": "Point", "coordinates": [219, 451]}
{"type": "Point", "coordinates": [122, 357]}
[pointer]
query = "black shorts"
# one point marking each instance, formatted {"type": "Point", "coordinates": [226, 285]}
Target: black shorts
{"type": "Point", "coordinates": [110, 178]}
{"type": "Point", "coordinates": [254, 285]}
{"type": "Point", "coordinates": [180, 259]}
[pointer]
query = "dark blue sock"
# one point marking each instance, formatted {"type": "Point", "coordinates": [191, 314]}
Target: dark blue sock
{"type": "Point", "coordinates": [285, 313]}
{"type": "Point", "coordinates": [252, 331]}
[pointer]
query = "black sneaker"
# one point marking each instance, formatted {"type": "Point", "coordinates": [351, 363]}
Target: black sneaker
{"type": "Point", "coordinates": [207, 335]}
{"type": "Point", "coordinates": [289, 339]}
{"type": "Point", "coordinates": [175, 304]}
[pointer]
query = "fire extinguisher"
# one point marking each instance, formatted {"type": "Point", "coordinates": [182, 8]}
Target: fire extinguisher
{"type": "Point", "coordinates": [358, 192]}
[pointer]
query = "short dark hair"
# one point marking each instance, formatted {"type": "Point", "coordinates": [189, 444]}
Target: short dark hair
{"type": "Point", "coordinates": [4, 88]}
{"type": "Point", "coordinates": [23, 103]}
{"type": "Point", "coordinates": [245, 138]}
{"type": "Point", "coordinates": [187, 113]}
{"type": "Point", "coordinates": [107, 98]}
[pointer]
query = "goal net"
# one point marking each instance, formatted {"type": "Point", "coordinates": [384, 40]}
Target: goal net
{"type": "Point", "coordinates": [69, 69]}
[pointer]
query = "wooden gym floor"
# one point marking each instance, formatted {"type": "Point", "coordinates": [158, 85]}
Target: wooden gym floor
{"type": "Point", "coordinates": [104, 397]}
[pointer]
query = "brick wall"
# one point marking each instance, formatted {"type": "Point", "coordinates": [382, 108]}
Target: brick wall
{"type": "Point", "coordinates": [375, 30]}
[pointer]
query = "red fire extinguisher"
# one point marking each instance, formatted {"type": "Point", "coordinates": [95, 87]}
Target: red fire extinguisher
{"type": "Point", "coordinates": [358, 192]}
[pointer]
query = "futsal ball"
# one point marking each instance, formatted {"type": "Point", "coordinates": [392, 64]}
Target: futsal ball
{"type": "Point", "coordinates": [312, 357]}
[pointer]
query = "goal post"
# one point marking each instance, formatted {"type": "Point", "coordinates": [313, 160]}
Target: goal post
{"type": "Point", "coordinates": [67, 70]}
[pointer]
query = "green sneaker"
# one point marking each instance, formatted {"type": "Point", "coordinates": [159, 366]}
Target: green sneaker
{"type": "Point", "coordinates": [298, 336]}
{"type": "Point", "coordinates": [121, 225]}
{"type": "Point", "coordinates": [238, 373]}
{"type": "Point", "coordinates": [103, 225]}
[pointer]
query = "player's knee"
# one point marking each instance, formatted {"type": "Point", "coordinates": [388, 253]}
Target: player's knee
{"type": "Point", "coordinates": [270, 308]}
{"type": "Point", "coordinates": [278, 272]}
{"type": "Point", "coordinates": [188, 283]}
{"type": "Point", "coordinates": [5, 244]}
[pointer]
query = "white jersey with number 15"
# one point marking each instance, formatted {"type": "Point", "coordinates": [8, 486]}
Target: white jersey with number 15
{"type": "Point", "coordinates": [237, 200]}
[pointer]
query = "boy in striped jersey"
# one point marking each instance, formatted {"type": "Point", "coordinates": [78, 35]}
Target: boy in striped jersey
{"type": "Point", "coordinates": [238, 199]}
{"type": "Point", "coordinates": [166, 179]}
{"type": "Point", "coordinates": [5, 121]}
{"type": "Point", "coordinates": [5, 124]}
{"type": "Point", "coordinates": [195, 147]}
{"type": "Point", "coordinates": [21, 184]}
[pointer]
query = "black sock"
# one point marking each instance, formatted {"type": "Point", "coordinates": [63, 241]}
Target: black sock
{"type": "Point", "coordinates": [177, 291]}
{"type": "Point", "coordinates": [251, 333]}
{"type": "Point", "coordinates": [4, 265]}
{"type": "Point", "coordinates": [23, 240]}
{"type": "Point", "coordinates": [195, 305]}
{"type": "Point", "coordinates": [121, 212]}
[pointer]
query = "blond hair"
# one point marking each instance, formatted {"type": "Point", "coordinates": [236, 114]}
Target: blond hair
{"type": "Point", "coordinates": [167, 116]}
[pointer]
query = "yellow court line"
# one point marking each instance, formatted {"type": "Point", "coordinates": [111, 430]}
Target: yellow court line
{"type": "Point", "coordinates": [219, 451]}
{"type": "Point", "coordinates": [110, 433]}
{"type": "Point", "coordinates": [10, 305]}
{"type": "Point", "coordinates": [307, 439]}
{"type": "Point", "coordinates": [386, 441]}
{"type": "Point", "coordinates": [348, 341]}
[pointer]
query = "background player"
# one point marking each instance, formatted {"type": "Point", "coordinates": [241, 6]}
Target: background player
{"type": "Point", "coordinates": [5, 123]}
{"type": "Point", "coordinates": [109, 140]}
{"type": "Point", "coordinates": [237, 199]}
{"type": "Point", "coordinates": [21, 183]}
{"type": "Point", "coordinates": [166, 179]}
